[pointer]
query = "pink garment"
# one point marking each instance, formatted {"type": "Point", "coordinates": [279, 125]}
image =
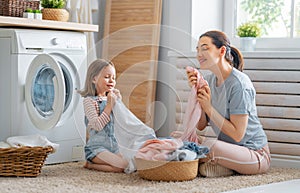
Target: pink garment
{"type": "Point", "coordinates": [158, 149]}
{"type": "Point", "coordinates": [193, 110]}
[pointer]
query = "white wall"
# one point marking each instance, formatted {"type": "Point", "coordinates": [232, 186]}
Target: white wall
{"type": "Point", "coordinates": [209, 16]}
{"type": "Point", "coordinates": [176, 37]}
{"type": "Point", "coordinates": [98, 19]}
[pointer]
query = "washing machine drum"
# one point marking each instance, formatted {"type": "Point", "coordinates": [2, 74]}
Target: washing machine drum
{"type": "Point", "coordinates": [45, 91]}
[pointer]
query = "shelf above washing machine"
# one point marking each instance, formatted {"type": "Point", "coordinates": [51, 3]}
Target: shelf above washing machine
{"type": "Point", "coordinates": [46, 24]}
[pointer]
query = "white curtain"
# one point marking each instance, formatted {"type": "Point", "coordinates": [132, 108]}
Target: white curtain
{"type": "Point", "coordinates": [81, 12]}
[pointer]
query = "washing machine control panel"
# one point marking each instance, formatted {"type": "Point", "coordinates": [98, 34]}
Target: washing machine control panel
{"type": "Point", "coordinates": [66, 43]}
{"type": "Point", "coordinates": [56, 41]}
{"type": "Point", "coordinates": [49, 40]}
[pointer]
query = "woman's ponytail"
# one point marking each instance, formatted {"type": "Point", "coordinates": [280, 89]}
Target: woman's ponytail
{"type": "Point", "coordinates": [237, 58]}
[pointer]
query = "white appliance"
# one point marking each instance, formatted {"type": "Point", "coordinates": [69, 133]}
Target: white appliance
{"type": "Point", "coordinates": [40, 71]}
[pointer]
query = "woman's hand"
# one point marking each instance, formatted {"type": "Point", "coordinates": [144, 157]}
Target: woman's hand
{"type": "Point", "coordinates": [204, 98]}
{"type": "Point", "coordinates": [192, 75]}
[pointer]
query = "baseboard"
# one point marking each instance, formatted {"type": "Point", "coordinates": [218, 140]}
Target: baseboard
{"type": "Point", "coordinates": [285, 161]}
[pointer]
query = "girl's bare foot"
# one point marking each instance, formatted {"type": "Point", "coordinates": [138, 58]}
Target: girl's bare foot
{"type": "Point", "coordinates": [86, 165]}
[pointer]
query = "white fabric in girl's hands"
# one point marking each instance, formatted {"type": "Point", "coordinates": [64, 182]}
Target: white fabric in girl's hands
{"type": "Point", "coordinates": [131, 133]}
{"type": "Point", "coordinates": [32, 141]}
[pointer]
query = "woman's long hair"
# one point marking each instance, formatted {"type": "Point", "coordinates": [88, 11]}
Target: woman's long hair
{"type": "Point", "coordinates": [233, 55]}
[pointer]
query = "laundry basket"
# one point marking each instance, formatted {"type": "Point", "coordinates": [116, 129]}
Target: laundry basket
{"type": "Point", "coordinates": [15, 8]}
{"type": "Point", "coordinates": [23, 161]}
{"type": "Point", "coordinates": [167, 170]}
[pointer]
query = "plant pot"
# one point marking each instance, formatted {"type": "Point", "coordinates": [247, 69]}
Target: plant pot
{"type": "Point", "coordinates": [28, 15]}
{"type": "Point", "coordinates": [38, 16]}
{"type": "Point", "coordinates": [55, 14]}
{"type": "Point", "coordinates": [247, 43]}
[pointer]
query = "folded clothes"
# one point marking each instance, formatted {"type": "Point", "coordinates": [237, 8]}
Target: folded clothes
{"type": "Point", "coordinates": [4, 144]}
{"type": "Point", "coordinates": [32, 141]}
{"type": "Point", "coordinates": [182, 155]}
{"type": "Point", "coordinates": [200, 150]}
{"type": "Point", "coordinates": [158, 149]}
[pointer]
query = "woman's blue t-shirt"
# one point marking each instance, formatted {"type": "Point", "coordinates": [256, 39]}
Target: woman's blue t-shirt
{"type": "Point", "coordinates": [237, 96]}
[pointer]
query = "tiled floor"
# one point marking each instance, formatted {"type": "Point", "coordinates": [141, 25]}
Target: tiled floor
{"type": "Point", "coordinates": [292, 186]}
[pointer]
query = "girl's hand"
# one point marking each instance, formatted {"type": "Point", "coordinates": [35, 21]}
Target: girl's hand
{"type": "Point", "coordinates": [204, 98]}
{"type": "Point", "coordinates": [111, 99]}
{"type": "Point", "coordinates": [117, 93]}
{"type": "Point", "coordinates": [192, 75]}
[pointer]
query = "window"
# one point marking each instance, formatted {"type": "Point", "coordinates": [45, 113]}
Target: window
{"type": "Point", "coordinates": [280, 20]}
{"type": "Point", "coordinates": [277, 18]}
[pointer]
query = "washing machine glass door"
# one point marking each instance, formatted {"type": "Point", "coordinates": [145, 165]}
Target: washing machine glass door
{"type": "Point", "coordinates": [45, 92]}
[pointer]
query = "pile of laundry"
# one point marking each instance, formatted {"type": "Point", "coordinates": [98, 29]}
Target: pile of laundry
{"type": "Point", "coordinates": [171, 149]}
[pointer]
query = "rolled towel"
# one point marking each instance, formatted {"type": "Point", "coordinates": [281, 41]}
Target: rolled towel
{"type": "Point", "coordinates": [4, 144]}
{"type": "Point", "coordinates": [32, 141]}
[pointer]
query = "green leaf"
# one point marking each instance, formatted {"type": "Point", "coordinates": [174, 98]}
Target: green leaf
{"type": "Point", "coordinates": [59, 4]}
{"type": "Point", "coordinates": [28, 10]}
{"type": "Point", "coordinates": [249, 29]}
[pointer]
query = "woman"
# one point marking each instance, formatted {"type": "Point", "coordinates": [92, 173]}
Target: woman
{"type": "Point", "coordinates": [228, 105]}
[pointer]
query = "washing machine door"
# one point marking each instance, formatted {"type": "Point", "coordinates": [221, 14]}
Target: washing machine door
{"type": "Point", "coordinates": [45, 92]}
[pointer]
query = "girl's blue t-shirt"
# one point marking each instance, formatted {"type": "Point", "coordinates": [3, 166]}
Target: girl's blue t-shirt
{"type": "Point", "coordinates": [237, 96]}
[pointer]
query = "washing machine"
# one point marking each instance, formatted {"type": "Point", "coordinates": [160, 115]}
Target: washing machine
{"type": "Point", "coordinates": [40, 73]}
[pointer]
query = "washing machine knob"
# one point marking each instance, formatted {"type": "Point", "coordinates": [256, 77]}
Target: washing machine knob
{"type": "Point", "coordinates": [56, 41]}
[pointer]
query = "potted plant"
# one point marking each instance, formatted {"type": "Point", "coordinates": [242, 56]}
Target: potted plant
{"type": "Point", "coordinates": [28, 13]}
{"type": "Point", "coordinates": [248, 32]}
{"type": "Point", "coordinates": [54, 10]}
{"type": "Point", "coordinates": [38, 14]}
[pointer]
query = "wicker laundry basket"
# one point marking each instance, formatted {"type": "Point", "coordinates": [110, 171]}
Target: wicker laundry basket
{"type": "Point", "coordinates": [167, 170]}
{"type": "Point", "coordinates": [23, 161]}
{"type": "Point", "coordinates": [15, 8]}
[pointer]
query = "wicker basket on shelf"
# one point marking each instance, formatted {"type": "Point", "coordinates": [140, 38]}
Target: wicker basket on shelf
{"type": "Point", "coordinates": [167, 170]}
{"type": "Point", "coordinates": [23, 161]}
{"type": "Point", "coordinates": [15, 8]}
{"type": "Point", "coordinates": [55, 14]}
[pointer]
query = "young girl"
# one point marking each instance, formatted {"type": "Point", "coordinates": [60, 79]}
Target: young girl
{"type": "Point", "coordinates": [100, 95]}
{"type": "Point", "coordinates": [228, 104]}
